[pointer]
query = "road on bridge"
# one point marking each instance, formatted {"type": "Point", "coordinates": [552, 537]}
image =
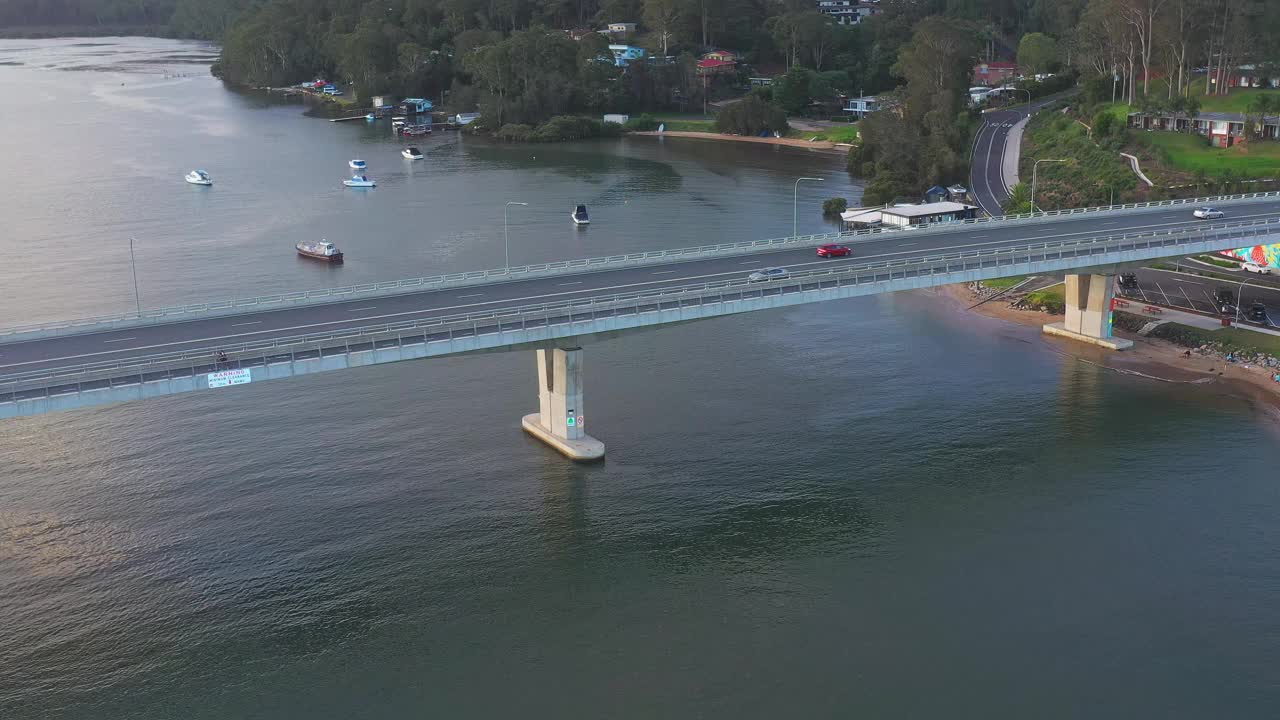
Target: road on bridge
{"type": "Point", "coordinates": [214, 332]}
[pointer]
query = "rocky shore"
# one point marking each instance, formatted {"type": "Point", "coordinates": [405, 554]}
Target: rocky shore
{"type": "Point", "coordinates": [1210, 366]}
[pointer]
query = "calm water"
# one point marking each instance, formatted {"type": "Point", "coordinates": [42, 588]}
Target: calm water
{"type": "Point", "coordinates": [880, 507]}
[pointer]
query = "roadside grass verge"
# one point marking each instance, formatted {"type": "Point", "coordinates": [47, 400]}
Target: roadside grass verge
{"type": "Point", "coordinates": [1218, 261]}
{"type": "Point", "coordinates": [1229, 339]}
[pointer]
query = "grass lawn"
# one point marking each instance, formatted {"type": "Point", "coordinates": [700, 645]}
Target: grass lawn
{"type": "Point", "coordinates": [845, 134]}
{"type": "Point", "coordinates": [1003, 283]}
{"type": "Point", "coordinates": [688, 125]}
{"type": "Point", "coordinates": [1189, 152]}
{"type": "Point", "coordinates": [1053, 298]}
{"type": "Point", "coordinates": [1234, 101]}
{"type": "Point", "coordinates": [1249, 340]}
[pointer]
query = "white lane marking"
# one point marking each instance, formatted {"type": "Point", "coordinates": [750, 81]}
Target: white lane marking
{"type": "Point", "coordinates": [120, 340]}
{"type": "Point", "coordinates": [371, 307]}
{"type": "Point", "coordinates": [255, 322]}
{"type": "Point", "coordinates": [975, 237]}
{"type": "Point", "coordinates": [575, 282]}
{"type": "Point", "coordinates": [907, 244]}
{"type": "Point", "coordinates": [462, 297]}
{"type": "Point", "coordinates": [664, 272]}
{"type": "Point", "coordinates": [750, 262]}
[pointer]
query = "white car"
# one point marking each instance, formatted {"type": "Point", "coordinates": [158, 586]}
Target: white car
{"type": "Point", "coordinates": [769, 273]}
{"type": "Point", "coordinates": [1255, 268]}
{"type": "Point", "coordinates": [1208, 213]}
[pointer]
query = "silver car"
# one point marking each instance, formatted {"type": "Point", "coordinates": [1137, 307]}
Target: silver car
{"type": "Point", "coordinates": [1208, 213]}
{"type": "Point", "coordinates": [767, 274]}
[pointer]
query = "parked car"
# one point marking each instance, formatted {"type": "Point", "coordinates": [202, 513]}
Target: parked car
{"type": "Point", "coordinates": [1208, 213]}
{"type": "Point", "coordinates": [1258, 313]}
{"type": "Point", "coordinates": [1254, 267]}
{"type": "Point", "coordinates": [1128, 281]}
{"type": "Point", "coordinates": [834, 251]}
{"type": "Point", "coordinates": [1224, 299]}
{"type": "Point", "coordinates": [769, 273]}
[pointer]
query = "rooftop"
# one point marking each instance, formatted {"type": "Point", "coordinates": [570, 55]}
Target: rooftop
{"type": "Point", "coordinates": [937, 208]}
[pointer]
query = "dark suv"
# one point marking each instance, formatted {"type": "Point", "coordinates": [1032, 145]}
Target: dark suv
{"type": "Point", "coordinates": [1225, 300]}
{"type": "Point", "coordinates": [1258, 313]}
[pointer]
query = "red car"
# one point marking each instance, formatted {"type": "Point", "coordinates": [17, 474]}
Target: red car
{"type": "Point", "coordinates": [833, 251]}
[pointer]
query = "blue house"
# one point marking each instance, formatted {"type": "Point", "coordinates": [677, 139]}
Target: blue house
{"type": "Point", "coordinates": [416, 106]}
{"type": "Point", "coordinates": [624, 54]}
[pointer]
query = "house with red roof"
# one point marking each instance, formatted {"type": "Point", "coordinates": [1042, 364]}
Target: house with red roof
{"type": "Point", "coordinates": [717, 62]}
{"type": "Point", "coordinates": [994, 73]}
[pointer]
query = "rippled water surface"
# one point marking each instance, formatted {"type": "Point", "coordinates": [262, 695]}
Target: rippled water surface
{"type": "Point", "coordinates": [879, 508]}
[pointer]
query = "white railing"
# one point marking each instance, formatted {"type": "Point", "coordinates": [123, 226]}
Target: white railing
{"type": "Point", "coordinates": [591, 307]}
{"type": "Point", "coordinates": [477, 277]}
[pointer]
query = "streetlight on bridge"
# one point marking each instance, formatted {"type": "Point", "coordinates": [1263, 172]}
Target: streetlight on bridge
{"type": "Point", "coordinates": [795, 204]}
{"type": "Point", "coordinates": [1034, 167]}
{"type": "Point", "coordinates": [133, 266]}
{"type": "Point", "coordinates": [506, 241]}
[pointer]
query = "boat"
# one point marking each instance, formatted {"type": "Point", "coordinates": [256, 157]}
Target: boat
{"type": "Point", "coordinates": [323, 250]}
{"type": "Point", "coordinates": [370, 117]}
{"type": "Point", "coordinates": [199, 177]}
{"type": "Point", "coordinates": [359, 181]}
{"type": "Point", "coordinates": [415, 130]}
{"type": "Point", "coordinates": [579, 216]}
{"type": "Point", "coordinates": [411, 153]}
{"type": "Point", "coordinates": [358, 164]}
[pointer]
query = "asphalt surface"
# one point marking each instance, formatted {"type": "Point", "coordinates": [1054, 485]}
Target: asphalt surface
{"type": "Point", "coordinates": [1196, 292]}
{"type": "Point", "coordinates": [986, 181]}
{"type": "Point", "coordinates": [216, 332]}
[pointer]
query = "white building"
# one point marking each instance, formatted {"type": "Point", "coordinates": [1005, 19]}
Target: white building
{"type": "Point", "coordinates": [860, 107]}
{"type": "Point", "coordinates": [848, 12]}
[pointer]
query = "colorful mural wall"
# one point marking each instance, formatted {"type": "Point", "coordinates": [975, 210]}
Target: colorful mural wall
{"type": "Point", "coordinates": [1261, 254]}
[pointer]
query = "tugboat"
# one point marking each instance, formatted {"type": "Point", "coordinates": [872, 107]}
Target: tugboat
{"type": "Point", "coordinates": [199, 177]}
{"type": "Point", "coordinates": [323, 250]}
{"type": "Point", "coordinates": [579, 216]}
{"type": "Point", "coordinates": [359, 181]}
{"type": "Point", "coordinates": [411, 153]}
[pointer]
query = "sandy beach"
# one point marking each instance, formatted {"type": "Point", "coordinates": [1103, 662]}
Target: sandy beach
{"type": "Point", "coordinates": [788, 142]}
{"type": "Point", "coordinates": [1150, 358]}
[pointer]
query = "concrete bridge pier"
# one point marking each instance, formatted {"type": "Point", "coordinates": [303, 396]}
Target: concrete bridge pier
{"type": "Point", "coordinates": [1089, 307]}
{"type": "Point", "coordinates": [560, 419]}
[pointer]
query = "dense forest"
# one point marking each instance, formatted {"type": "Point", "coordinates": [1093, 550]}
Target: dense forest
{"type": "Point", "coordinates": [514, 60]}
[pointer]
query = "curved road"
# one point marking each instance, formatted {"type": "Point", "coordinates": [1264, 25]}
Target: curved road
{"type": "Point", "coordinates": [991, 147]}
{"type": "Point", "coordinates": [211, 333]}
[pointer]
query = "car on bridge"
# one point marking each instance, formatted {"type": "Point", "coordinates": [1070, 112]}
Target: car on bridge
{"type": "Point", "coordinates": [834, 251]}
{"type": "Point", "coordinates": [1208, 213]}
{"type": "Point", "coordinates": [1254, 267]}
{"type": "Point", "coordinates": [767, 274]}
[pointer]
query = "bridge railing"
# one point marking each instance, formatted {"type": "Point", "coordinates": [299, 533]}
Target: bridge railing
{"type": "Point", "coordinates": [447, 327]}
{"type": "Point", "coordinates": [477, 277]}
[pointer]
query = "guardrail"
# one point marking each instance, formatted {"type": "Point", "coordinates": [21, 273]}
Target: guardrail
{"type": "Point", "coordinates": [280, 301]}
{"type": "Point", "coordinates": [737, 288]}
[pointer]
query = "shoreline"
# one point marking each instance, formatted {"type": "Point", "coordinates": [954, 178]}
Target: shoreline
{"type": "Point", "coordinates": [1150, 358]}
{"type": "Point", "coordinates": [820, 145]}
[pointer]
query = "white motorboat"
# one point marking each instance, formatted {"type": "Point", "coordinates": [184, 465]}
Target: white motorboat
{"type": "Point", "coordinates": [579, 216]}
{"type": "Point", "coordinates": [411, 153]}
{"type": "Point", "coordinates": [359, 181]}
{"type": "Point", "coordinates": [323, 250]}
{"type": "Point", "coordinates": [199, 177]}
{"type": "Point", "coordinates": [358, 164]}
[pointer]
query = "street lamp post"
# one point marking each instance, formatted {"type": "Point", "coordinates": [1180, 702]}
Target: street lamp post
{"type": "Point", "coordinates": [506, 241]}
{"type": "Point", "coordinates": [795, 204]}
{"type": "Point", "coordinates": [133, 266]}
{"type": "Point", "coordinates": [1240, 298]}
{"type": "Point", "coordinates": [1035, 167]}
{"type": "Point", "coordinates": [1028, 92]}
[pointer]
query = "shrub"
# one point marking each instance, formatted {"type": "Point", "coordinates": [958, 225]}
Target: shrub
{"type": "Point", "coordinates": [515, 132]}
{"type": "Point", "coordinates": [751, 116]}
{"type": "Point", "coordinates": [834, 206]}
{"type": "Point", "coordinates": [643, 123]}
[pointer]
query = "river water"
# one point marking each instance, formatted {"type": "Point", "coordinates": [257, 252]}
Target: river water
{"type": "Point", "coordinates": [879, 507]}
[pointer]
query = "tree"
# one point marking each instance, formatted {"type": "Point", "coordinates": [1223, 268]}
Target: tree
{"type": "Point", "coordinates": [818, 33]}
{"type": "Point", "coordinates": [661, 17]}
{"type": "Point", "coordinates": [1037, 53]}
{"type": "Point", "coordinates": [751, 116]}
{"type": "Point", "coordinates": [791, 91]}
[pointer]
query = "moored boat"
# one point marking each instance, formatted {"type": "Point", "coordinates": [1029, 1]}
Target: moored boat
{"type": "Point", "coordinates": [358, 164]}
{"type": "Point", "coordinates": [199, 177]}
{"type": "Point", "coordinates": [415, 130]}
{"type": "Point", "coordinates": [359, 181]}
{"type": "Point", "coordinates": [411, 153]}
{"type": "Point", "coordinates": [579, 216]}
{"type": "Point", "coordinates": [323, 250]}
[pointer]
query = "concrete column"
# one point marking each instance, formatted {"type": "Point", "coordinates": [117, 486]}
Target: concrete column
{"type": "Point", "coordinates": [561, 418]}
{"type": "Point", "coordinates": [1088, 318]}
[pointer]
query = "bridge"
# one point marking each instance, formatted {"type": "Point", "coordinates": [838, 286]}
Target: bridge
{"type": "Point", "coordinates": [557, 308]}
